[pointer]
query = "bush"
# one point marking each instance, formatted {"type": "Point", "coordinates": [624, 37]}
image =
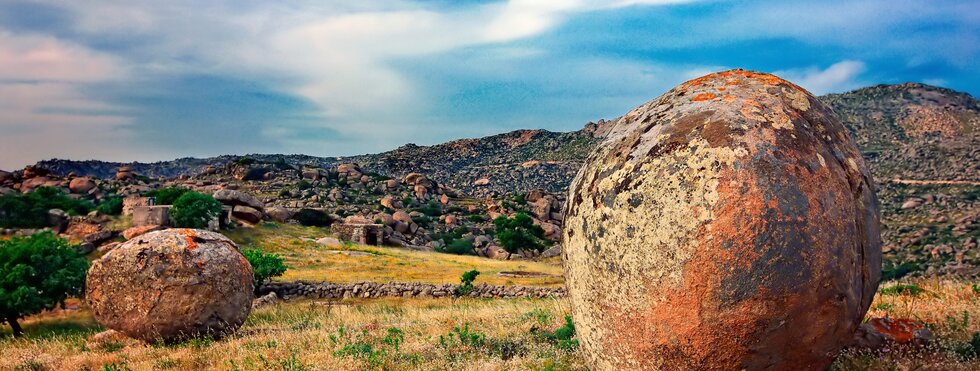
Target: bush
{"type": "Point", "coordinates": [563, 337]}
{"type": "Point", "coordinates": [31, 210]}
{"type": "Point", "coordinates": [245, 161]}
{"type": "Point", "coordinates": [890, 271]}
{"type": "Point", "coordinates": [194, 210]}
{"type": "Point", "coordinates": [304, 185]}
{"type": "Point", "coordinates": [264, 266]}
{"type": "Point", "coordinates": [313, 218]}
{"type": "Point", "coordinates": [37, 273]}
{"type": "Point", "coordinates": [466, 284]}
{"type": "Point", "coordinates": [519, 232]}
{"type": "Point", "coordinates": [110, 206]}
{"type": "Point", "coordinates": [458, 247]}
{"type": "Point", "coordinates": [167, 196]}
{"type": "Point", "coordinates": [432, 208]}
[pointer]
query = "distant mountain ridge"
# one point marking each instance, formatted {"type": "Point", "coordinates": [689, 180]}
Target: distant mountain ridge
{"type": "Point", "coordinates": [907, 130]}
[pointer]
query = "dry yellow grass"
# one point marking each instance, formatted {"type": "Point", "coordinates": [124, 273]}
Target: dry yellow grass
{"type": "Point", "coordinates": [950, 308]}
{"type": "Point", "coordinates": [305, 335]}
{"type": "Point", "coordinates": [313, 262]}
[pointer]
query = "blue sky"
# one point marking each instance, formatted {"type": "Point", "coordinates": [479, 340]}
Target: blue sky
{"type": "Point", "coordinates": [141, 80]}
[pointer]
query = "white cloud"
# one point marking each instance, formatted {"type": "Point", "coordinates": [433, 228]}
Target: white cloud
{"type": "Point", "coordinates": [42, 112]}
{"type": "Point", "coordinates": [839, 77]}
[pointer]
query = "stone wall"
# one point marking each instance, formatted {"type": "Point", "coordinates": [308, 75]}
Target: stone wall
{"type": "Point", "coordinates": [327, 290]}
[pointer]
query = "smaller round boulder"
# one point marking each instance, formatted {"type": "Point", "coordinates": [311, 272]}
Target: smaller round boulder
{"type": "Point", "coordinates": [171, 285]}
{"type": "Point", "coordinates": [81, 185]}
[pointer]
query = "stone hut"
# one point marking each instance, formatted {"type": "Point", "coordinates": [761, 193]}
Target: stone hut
{"type": "Point", "coordinates": [364, 234]}
{"type": "Point", "coordinates": [151, 215]}
{"type": "Point", "coordinates": [132, 202]}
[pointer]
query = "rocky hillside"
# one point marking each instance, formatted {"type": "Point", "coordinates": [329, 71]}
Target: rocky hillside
{"type": "Point", "coordinates": [913, 131]}
{"type": "Point", "coordinates": [921, 143]}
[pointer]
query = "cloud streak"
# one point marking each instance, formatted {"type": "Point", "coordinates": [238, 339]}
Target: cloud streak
{"type": "Point", "coordinates": [141, 79]}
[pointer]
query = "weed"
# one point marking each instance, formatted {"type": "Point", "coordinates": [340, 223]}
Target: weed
{"type": "Point", "coordinates": [563, 337]}
{"type": "Point", "coordinates": [462, 337]}
{"type": "Point", "coordinates": [466, 284]}
{"type": "Point", "coordinates": [902, 290]}
{"type": "Point", "coordinates": [971, 349]}
{"type": "Point", "coordinates": [116, 366]}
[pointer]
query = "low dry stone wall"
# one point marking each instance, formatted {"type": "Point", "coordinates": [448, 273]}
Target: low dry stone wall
{"type": "Point", "coordinates": [327, 290]}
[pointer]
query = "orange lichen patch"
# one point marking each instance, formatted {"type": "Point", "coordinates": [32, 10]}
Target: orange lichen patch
{"type": "Point", "coordinates": [901, 331]}
{"type": "Point", "coordinates": [703, 97]}
{"type": "Point", "coordinates": [722, 89]}
{"type": "Point", "coordinates": [765, 77]}
{"type": "Point", "coordinates": [732, 82]}
{"type": "Point", "coordinates": [189, 236]}
{"type": "Point", "coordinates": [700, 80]}
{"type": "Point", "coordinates": [729, 98]}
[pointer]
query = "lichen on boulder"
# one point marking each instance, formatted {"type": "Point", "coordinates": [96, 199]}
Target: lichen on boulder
{"type": "Point", "coordinates": [729, 224]}
{"type": "Point", "coordinates": [171, 285]}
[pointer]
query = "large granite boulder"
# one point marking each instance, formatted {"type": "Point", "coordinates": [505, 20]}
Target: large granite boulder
{"type": "Point", "coordinates": [171, 285]}
{"type": "Point", "coordinates": [238, 198]}
{"type": "Point", "coordinates": [729, 224]}
{"type": "Point", "coordinates": [81, 185]}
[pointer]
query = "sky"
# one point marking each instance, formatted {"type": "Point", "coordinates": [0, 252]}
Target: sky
{"type": "Point", "coordinates": [134, 80]}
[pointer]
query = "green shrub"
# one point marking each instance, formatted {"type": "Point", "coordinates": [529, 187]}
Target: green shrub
{"type": "Point", "coordinates": [423, 221]}
{"type": "Point", "coordinates": [303, 185]}
{"type": "Point", "coordinates": [519, 232]}
{"type": "Point", "coordinates": [37, 273]}
{"type": "Point", "coordinates": [30, 210]}
{"type": "Point", "coordinates": [432, 208]}
{"type": "Point", "coordinates": [265, 266]}
{"type": "Point", "coordinates": [902, 289]}
{"type": "Point", "coordinates": [466, 284]}
{"type": "Point", "coordinates": [564, 336]}
{"type": "Point", "coordinates": [458, 247]}
{"type": "Point", "coordinates": [110, 206]}
{"type": "Point", "coordinates": [245, 161]}
{"type": "Point", "coordinates": [313, 218]}
{"type": "Point", "coordinates": [969, 350]}
{"type": "Point", "coordinates": [194, 210]}
{"type": "Point", "coordinates": [890, 271]}
{"type": "Point", "coordinates": [462, 337]}
{"type": "Point", "coordinates": [167, 196]}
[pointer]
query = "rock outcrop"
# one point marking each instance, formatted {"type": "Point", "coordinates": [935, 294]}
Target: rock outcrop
{"type": "Point", "coordinates": [729, 224]}
{"type": "Point", "coordinates": [171, 285]}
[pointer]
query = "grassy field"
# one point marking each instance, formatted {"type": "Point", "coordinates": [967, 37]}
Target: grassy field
{"type": "Point", "coordinates": [302, 335]}
{"type": "Point", "coordinates": [400, 333]}
{"type": "Point", "coordinates": [397, 333]}
{"type": "Point", "coordinates": [314, 262]}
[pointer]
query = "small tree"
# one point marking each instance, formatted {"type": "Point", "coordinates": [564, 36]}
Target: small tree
{"type": "Point", "coordinates": [167, 196]}
{"type": "Point", "coordinates": [37, 273]}
{"type": "Point", "coordinates": [110, 206]}
{"type": "Point", "coordinates": [466, 284]}
{"type": "Point", "coordinates": [519, 232]}
{"type": "Point", "coordinates": [194, 210]}
{"type": "Point", "coordinates": [265, 266]}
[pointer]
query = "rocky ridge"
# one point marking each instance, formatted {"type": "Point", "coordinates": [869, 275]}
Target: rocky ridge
{"type": "Point", "coordinates": [920, 142]}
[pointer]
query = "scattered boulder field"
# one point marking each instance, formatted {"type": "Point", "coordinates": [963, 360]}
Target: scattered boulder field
{"type": "Point", "coordinates": [920, 142]}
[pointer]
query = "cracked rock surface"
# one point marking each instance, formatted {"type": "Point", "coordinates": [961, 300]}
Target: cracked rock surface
{"type": "Point", "coordinates": [729, 224]}
{"type": "Point", "coordinates": [171, 285]}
